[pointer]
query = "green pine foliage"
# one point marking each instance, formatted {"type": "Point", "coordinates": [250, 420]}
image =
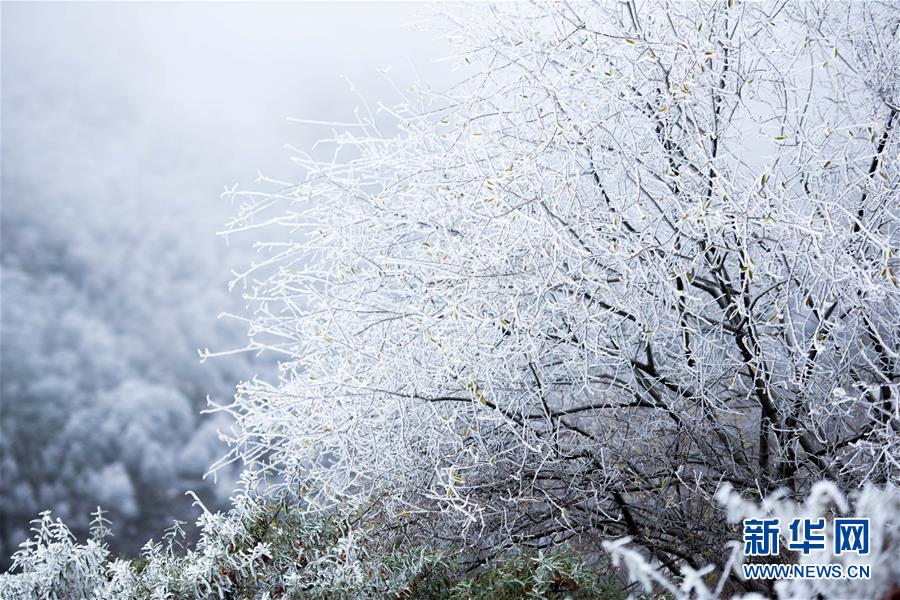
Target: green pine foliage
{"type": "Point", "coordinates": [273, 550]}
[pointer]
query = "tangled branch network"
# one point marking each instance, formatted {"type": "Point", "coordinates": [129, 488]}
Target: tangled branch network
{"type": "Point", "coordinates": [640, 252]}
{"type": "Point", "coordinates": [632, 257]}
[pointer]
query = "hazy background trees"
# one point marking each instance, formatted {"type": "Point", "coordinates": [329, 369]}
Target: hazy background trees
{"type": "Point", "coordinates": [122, 124]}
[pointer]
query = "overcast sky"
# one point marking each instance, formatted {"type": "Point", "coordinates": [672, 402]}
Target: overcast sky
{"type": "Point", "coordinates": [187, 98]}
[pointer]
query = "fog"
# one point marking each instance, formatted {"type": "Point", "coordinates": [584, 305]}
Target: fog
{"type": "Point", "coordinates": [122, 124]}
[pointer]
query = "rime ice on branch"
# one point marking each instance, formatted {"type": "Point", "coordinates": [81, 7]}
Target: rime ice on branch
{"type": "Point", "coordinates": [640, 252]}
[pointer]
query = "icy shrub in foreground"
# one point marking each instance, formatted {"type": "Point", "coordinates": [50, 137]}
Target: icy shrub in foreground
{"type": "Point", "coordinates": [272, 550]}
{"type": "Point", "coordinates": [880, 505]}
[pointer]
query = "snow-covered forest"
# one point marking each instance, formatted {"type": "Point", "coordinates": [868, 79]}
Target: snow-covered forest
{"type": "Point", "coordinates": [120, 132]}
{"type": "Point", "coordinates": [549, 323]}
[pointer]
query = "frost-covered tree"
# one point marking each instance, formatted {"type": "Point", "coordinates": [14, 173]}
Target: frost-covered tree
{"type": "Point", "coordinates": [642, 251]}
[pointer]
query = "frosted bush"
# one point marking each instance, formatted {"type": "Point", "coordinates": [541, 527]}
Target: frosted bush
{"type": "Point", "coordinates": [268, 550]}
{"type": "Point", "coordinates": [255, 550]}
{"type": "Point", "coordinates": [265, 550]}
{"type": "Point", "coordinates": [881, 505]}
{"type": "Point", "coordinates": [53, 565]}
